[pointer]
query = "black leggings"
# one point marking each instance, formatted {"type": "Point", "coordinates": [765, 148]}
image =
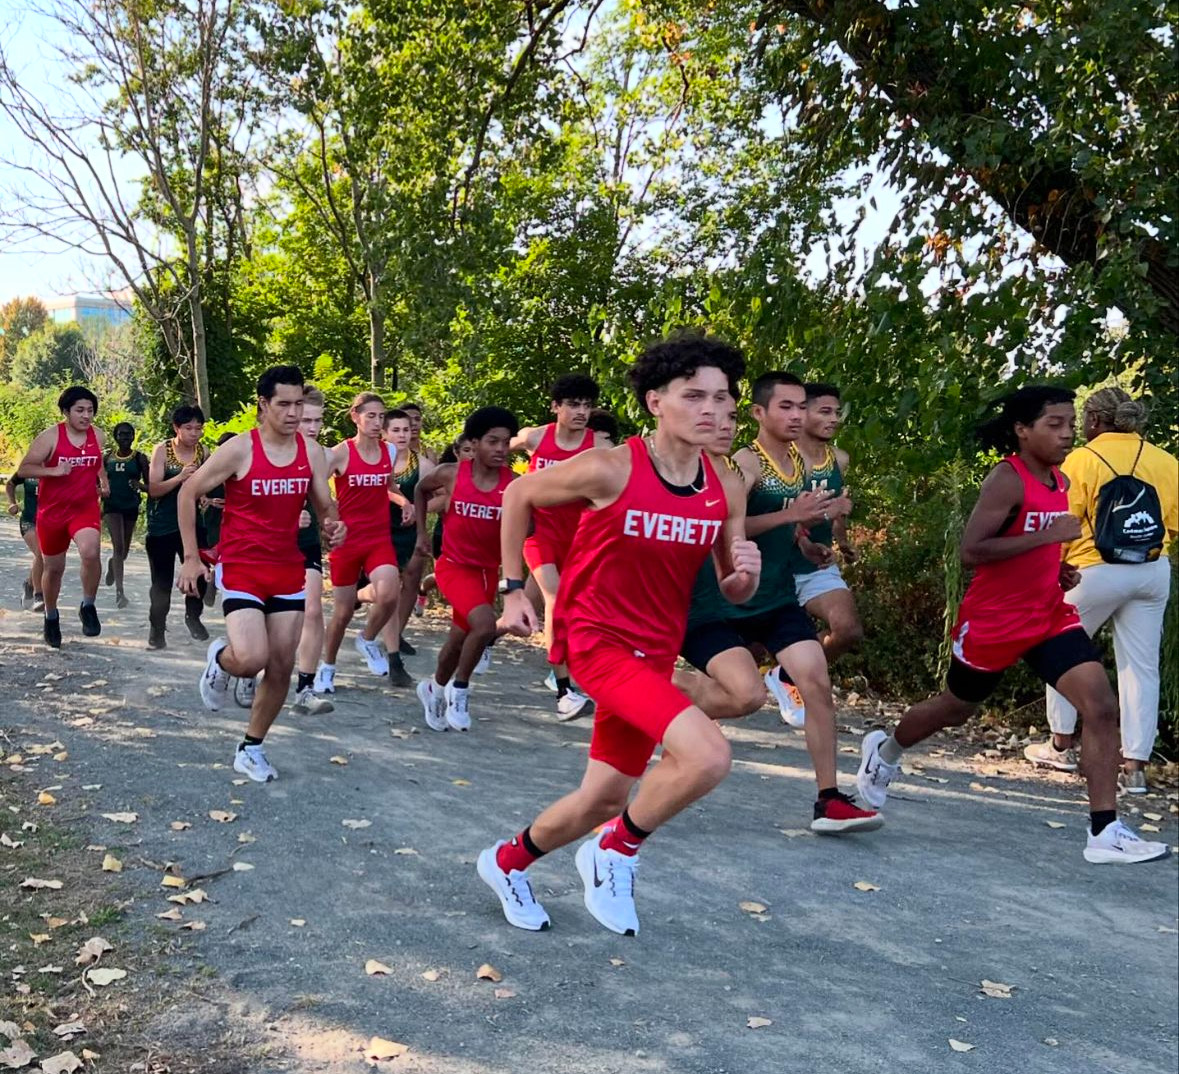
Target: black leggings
{"type": "Point", "coordinates": [162, 553]}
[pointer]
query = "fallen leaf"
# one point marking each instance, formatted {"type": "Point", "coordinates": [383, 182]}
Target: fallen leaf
{"type": "Point", "coordinates": [757, 1022]}
{"type": "Point", "coordinates": [88, 1055]}
{"type": "Point", "coordinates": [338, 759]}
{"type": "Point", "coordinates": [247, 837]}
{"type": "Point", "coordinates": [242, 867]}
{"type": "Point", "coordinates": [405, 850]}
{"type": "Point", "coordinates": [69, 1029]}
{"type": "Point", "coordinates": [39, 938]}
{"type": "Point", "coordinates": [103, 977]}
{"type": "Point", "coordinates": [793, 833]}
{"type": "Point", "coordinates": [936, 779]}
{"type": "Point", "coordinates": [62, 756]}
{"type": "Point", "coordinates": [10, 1030]}
{"type": "Point", "coordinates": [91, 786]}
{"type": "Point", "coordinates": [179, 825]}
{"type": "Point", "coordinates": [195, 926]}
{"type": "Point", "coordinates": [996, 989]}
{"type": "Point", "coordinates": [122, 818]}
{"type": "Point", "coordinates": [379, 1048]}
{"type": "Point", "coordinates": [961, 1046]}
{"type": "Point", "coordinates": [172, 881]}
{"type": "Point", "coordinates": [56, 922]}
{"type": "Point", "coordinates": [1054, 824]}
{"type": "Point", "coordinates": [504, 993]}
{"type": "Point", "coordinates": [111, 864]}
{"type": "Point", "coordinates": [753, 907]}
{"type": "Point", "coordinates": [374, 968]}
{"type": "Point", "coordinates": [431, 975]}
{"type": "Point", "coordinates": [1149, 828]}
{"type": "Point", "coordinates": [239, 782]}
{"type": "Point", "coordinates": [65, 1063]}
{"type": "Point", "coordinates": [12, 844]}
{"type": "Point", "coordinates": [45, 798]}
{"type": "Point", "coordinates": [488, 972]}
{"type": "Point", "coordinates": [863, 885]}
{"type": "Point", "coordinates": [175, 914]}
{"type": "Point", "coordinates": [1168, 929]}
{"type": "Point", "coordinates": [1052, 1042]}
{"type": "Point", "coordinates": [18, 1054]}
{"type": "Point", "coordinates": [461, 782]}
{"type": "Point", "coordinates": [33, 884]}
{"type": "Point", "coordinates": [186, 897]}
{"type": "Point", "coordinates": [222, 816]}
{"type": "Point", "coordinates": [298, 922]}
{"type": "Point", "coordinates": [617, 962]}
{"type": "Point", "coordinates": [356, 825]}
{"type": "Point", "coordinates": [1153, 816]}
{"type": "Point", "coordinates": [92, 950]}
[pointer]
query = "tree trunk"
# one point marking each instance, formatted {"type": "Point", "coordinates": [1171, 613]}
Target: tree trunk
{"type": "Point", "coordinates": [200, 367]}
{"type": "Point", "coordinates": [376, 333]}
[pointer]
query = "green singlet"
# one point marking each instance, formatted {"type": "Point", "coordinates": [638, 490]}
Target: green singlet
{"type": "Point", "coordinates": [121, 470]}
{"type": "Point", "coordinates": [405, 538]}
{"type": "Point", "coordinates": [827, 476]}
{"type": "Point", "coordinates": [161, 510]}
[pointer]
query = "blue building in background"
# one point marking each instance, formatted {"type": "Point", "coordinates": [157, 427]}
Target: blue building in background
{"type": "Point", "coordinates": [107, 311]}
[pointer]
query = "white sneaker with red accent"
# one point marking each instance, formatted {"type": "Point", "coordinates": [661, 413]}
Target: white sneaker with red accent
{"type": "Point", "coordinates": [609, 881]}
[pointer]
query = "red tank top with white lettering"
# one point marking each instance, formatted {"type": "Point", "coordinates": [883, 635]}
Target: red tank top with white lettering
{"type": "Point", "coordinates": [630, 572]}
{"type": "Point", "coordinates": [362, 493]}
{"type": "Point", "coordinates": [261, 519]}
{"type": "Point", "coordinates": [470, 534]}
{"type": "Point", "coordinates": [77, 492]}
{"type": "Point", "coordinates": [556, 525]}
{"type": "Point", "coordinates": [1020, 596]}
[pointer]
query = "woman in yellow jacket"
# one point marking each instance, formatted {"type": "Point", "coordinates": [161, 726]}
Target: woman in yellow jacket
{"type": "Point", "coordinates": [1132, 597]}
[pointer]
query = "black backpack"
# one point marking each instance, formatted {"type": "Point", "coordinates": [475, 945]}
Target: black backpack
{"type": "Point", "coordinates": [1129, 525]}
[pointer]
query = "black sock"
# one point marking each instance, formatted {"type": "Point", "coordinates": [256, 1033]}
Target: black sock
{"type": "Point", "coordinates": [828, 792]}
{"type": "Point", "coordinates": [460, 685]}
{"type": "Point", "coordinates": [250, 740]}
{"type": "Point", "coordinates": [50, 614]}
{"type": "Point", "coordinates": [306, 681]}
{"type": "Point", "coordinates": [784, 677]}
{"type": "Point", "coordinates": [562, 686]}
{"type": "Point", "coordinates": [1100, 819]}
{"type": "Point", "coordinates": [529, 845]}
{"type": "Point", "coordinates": [632, 827]}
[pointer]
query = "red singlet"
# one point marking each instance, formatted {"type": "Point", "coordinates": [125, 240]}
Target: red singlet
{"type": "Point", "coordinates": [553, 527]}
{"type": "Point", "coordinates": [68, 505]}
{"type": "Point", "coordinates": [470, 534]}
{"type": "Point", "coordinates": [362, 493]}
{"type": "Point", "coordinates": [1011, 605]}
{"type": "Point", "coordinates": [261, 520]}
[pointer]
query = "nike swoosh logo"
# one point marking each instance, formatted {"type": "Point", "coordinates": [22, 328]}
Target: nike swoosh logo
{"type": "Point", "coordinates": [1127, 506]}
{"type": "Point", "coordinates": [711, 503]}
{"type": "Point", "coordinates": [598, 881]}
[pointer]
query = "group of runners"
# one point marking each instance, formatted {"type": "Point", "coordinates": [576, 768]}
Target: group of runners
{"type": "Point", "coordinates": [666, 546]}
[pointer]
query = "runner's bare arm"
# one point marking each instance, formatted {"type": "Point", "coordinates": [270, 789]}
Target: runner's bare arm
{"type": "Point", "coordinates": [1000, 496]}
{"type": "Point", "coordinates": [33, 464]}
{"type": "Point", "coordinates": [737, 559]}
{"type": "Point", "coordinates": [320, 493]}
{"type": "Point", "coordinates": [527, 439]}
{"type": "Point", "coordinates": [156, 485]}
{"type": "Point", "coordinates": [10, 494]}
{"type": "Point", "coordinates": [438, 480]}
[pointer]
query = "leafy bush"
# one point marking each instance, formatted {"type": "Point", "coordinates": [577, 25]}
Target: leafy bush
{"type": "Point", "coordinates": [24, 412]}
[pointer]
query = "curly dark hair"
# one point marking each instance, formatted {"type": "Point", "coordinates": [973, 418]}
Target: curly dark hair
{"type": "Point", "coordinates": [486, 418]}
{"type": "Point", "coordinates": [574, 386]}
{"type": "Point", "coordinates": [680, 355]}
{"type": "Point", "coordinates": [1024, 406]}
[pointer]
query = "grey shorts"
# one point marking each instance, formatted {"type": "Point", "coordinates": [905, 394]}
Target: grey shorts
{"type": "Point", "coordinates": [817, 583]}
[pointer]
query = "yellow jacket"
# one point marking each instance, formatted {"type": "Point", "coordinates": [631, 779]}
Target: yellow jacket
{"type": "Point", "coordinates": [1087, 474]}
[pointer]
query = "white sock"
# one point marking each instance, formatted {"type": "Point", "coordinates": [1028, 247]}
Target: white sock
{"type": "Point", "coordinates": [891, 751]}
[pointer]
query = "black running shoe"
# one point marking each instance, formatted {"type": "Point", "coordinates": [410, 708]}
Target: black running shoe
{"type": "Point", "coordinates": [121, 600]}
{"type": "Point", "coordinates": [156, 640]}
{"type": "Point", "coordinates": [53, 632]}
{"type": "Point", "coordinates": [398, 676]}
{"type": "Point", "coordinates": [28, 591]}
{"type": "Point", "coordinates": [196, 628]}
{"type": "Point", "coordinates": [110, 571]}
{"type": "Point", "coordinates": [405, 649]}
{"type": "Point", "coordinates": [91, 627]}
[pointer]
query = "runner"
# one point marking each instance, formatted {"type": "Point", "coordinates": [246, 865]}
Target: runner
{"type": "Point", "coordinates": [717, 640]}
{"type": "Point", "coordinates": [173, 463]}
{"type": "Point", "coordinates": [126, 475]}
{"type": "Point", "coordinates": [67, 461]}
{"type": "Point", "coordinates": [462, 450]}
{"type": "Point", "coordinates": [546, 548]}
{"type": "Point", "coordinates": [1014, 609]}
{"type": "Point", "coordinates": [821, 588]}
{"type": "Point", "coordinates": [658, 509]}
{"type": "Point", "coordinates": [268, 474]}
{"type": "Point", "coordinates": [27, 509]}
{"type": "Point", "coordinates": [307, 701]}
{"type": "Point", "coordinates": [364, 478]}
{"type": "Point", "coordinates": [604, 426]}
{"type": "Point", "coordinates": [415, 428]}
{"type": "Point", "coordinates": [213, 507]}
{"type": "Point", "coordinates": [467, 571]}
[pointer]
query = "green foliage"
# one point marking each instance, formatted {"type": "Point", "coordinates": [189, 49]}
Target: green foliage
{"type": "Point", "coordinates": [19, 319]}
{"type": "Point", "coordinates": [54, 354]}
{"type": "Point", "coordinates": [24, 412]}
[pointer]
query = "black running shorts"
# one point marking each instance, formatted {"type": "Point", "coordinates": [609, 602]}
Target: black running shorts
{"type": "Point", "coordinates": [1050, 660]}
{"type": "Point", "coordinates": [777, 629]}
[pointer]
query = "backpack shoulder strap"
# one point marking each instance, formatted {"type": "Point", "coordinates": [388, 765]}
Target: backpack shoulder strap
{"type": "Point", "coordinates": [1106, 461]}
{"type": "Point", "coordinates": [1141, 445]}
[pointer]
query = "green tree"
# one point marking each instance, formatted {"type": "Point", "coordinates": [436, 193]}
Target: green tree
{"type": "Point", "coordinates": [19, 319]}
{"type": "Point", "coordinates": [54, 355]}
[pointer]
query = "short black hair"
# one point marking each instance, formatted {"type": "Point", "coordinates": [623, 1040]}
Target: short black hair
{"type": "Point", "coordinates": [279, 374]}
{"type": "Point", "coordinates": [819, 390]}
{"type": "Point", "coordinates": [763, 387]}
{"type": "Point", "coordinates": [450, 452]}
{"type": "Point", "coordinates": [1024, 406]}
{"type": "Point", "coordinates": [187, 412]}
{"type": "Point", "coordinates": [123, 425]}
{"type": "Point", "coordinates": [574, 386]}
{"type": "Point", "coordinates": [680, 355]}
{"type": "Point", "coordinates": [392, 415]}
{"type": "Point", "coordinates": [412, 406]}
{"type": "Point", "coordinates": [602, 421]}
{"type": "Point", "coordinates": [224, 438]}
{"type": "Point", "coordinates": [486, 418]}
{"type": "Point", "coordinates": [76, 394]}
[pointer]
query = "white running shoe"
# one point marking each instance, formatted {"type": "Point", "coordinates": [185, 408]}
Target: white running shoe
{"type": "Point", "coordinates": [484, 661]}
{"type": "Point", "coordinates": [609, 880]}
{"type": "Point", "coordinates": [790, 706]}
{"type": "Point", "coordinates": [244, 690]}
{"type": "Point", "coordinates": [875, 774]}
{"type": "Point", "coordinates": [514, 890]}
{"type": "Point", "coordinates": [458, 707]}
{"type": "Point", "coordinates": [1119, 845]}
{"type": "Point", "coordinates": [433, 704]}
{"type": "Point", "coordinates": [251, 761]}
{"type": "Point", "coordinates": [307, 704]}
{"type": "Point", "coordinates": [550, 681]}
{"type": "Point", "coordinates": [214, 679]}
{"type": "Point", "coordinates": [325, 679]}
{"type": "Point", "coordinates": [571, 705]}
{"type": "Point", "coordinates": [374, 655]}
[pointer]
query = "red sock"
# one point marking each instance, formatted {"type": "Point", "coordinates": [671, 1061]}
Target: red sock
{"type": "Point", "coordinates": [623, 835]}
{"type": "Point", "coordinates": [518, 853]}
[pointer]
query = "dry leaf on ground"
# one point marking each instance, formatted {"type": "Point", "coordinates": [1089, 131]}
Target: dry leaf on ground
{"type": "Point", "coordinates": [504, 993]}
{"type": "Point", "coordinates": [103, 977]}
{"type": "Point", "coordinates": [298, 922]}
{"type": "Point", "coordinates": [1152, 816]}
{"type": "Point", "coordinates": [753, 907]}
{"type": "Point", "coordinates": [64, 1063]}
{"type": "Point", "coordinates": [431, 975]}
{"type": "Point", "coordinates": [372, 967]}
{"type": "Point", "coordinates": [487, 972]}
{"type": "Point", "coordinates": [961, 1046]}
{"type": "Point", "coordinates": [122, 818]}
{"type": "Point", "coordinates": [92, 950]}
{"type": "Point", "coordinates": [39, 938]}
{"type": "Point", "coordinates": [461, 782]}
{"type": "Point", "coordinates": [337, 759]}
{"type": "Point", "coordinates": [405, 850]}
{"type": "Point", "coordinates": [617, 962]}
{"type": "Point", "coordinates": [1054, 824]}
{"type": "Point", "coordinates": [1149, 828]}
{"type": "Point", "coordinates": [111, 864]}
{"type": "Point", "coordinates": [18, 1054]}
{"type": "Point", "coordinates": [172, 881]}
{"type": "Point", "coordinates": [186, 897]}
{"type": "Point", "coordinates": [356, 825]}
{"type": "Point", "coordinates": [757, 1022]}
{"type": "Point", "coordinates": [175, 914]}
{"type": "Point", "coordinates": [69, 1029]}
{"type": "Point", "coordinates": [45, 798]}
{"type": "Point", "coordinates": [10, 1030]}
{"type": "Point", "coordinates": [12, 844]}
{"type": "Point", "coordinates": [996, 989]}
{"type": "Point", "coordinates": [33, 884]}
{"type": "Point", "coordinates": [194, 926]}
{"type": "Point", "coordinates": [179, 825]}
{"type": "Point", "coordinates": [863, 885]}
{"type": "Point", "coordinates": [222, 816]}
{"type": "Point", "coordinates": [379, 1048]}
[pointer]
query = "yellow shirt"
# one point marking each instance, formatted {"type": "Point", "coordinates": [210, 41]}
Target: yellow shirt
{"type": "Point", "coordinates": [1087, 474]}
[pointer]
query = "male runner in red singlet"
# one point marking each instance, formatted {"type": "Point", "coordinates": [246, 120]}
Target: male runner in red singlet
{"type": "Point", "coordinates": [268, 474]}
{"type": "Point", "coordinates": [467, 571]}
{"type": "Point", "coordinates": [1014, 609]}
{"type": "Point", "coordinates": [363, 476]}
{"type": "Point", "coordinates": [657, 509]}
{"type": "Point", "coordinates": [67, 460]}
{"type": "Point", "coordinates": [546, 548]}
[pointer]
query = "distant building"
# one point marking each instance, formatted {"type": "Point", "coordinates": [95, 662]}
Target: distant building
{"type": "Point", "coordinates": [94, 310]}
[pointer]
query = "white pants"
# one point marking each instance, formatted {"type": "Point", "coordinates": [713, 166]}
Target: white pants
{"type": "Point", "coordinates": [1133, 598]}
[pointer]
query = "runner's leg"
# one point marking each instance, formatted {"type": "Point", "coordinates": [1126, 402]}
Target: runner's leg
{"type": "Point", "coordinates": [732, 686]}
{"type": "Point", "coordinates": [283, 630]}
{"type": "Point", "coordinates": [837, 609]}
{"type": "Point", "coordinates": [1086, 687]}
{"type": "Point", "coordinates": [311, 637]}
{"type": "Point", "coordinates": [89, 548]}
{"type": "Point", "coordinates": [806, 664]}
{"type": "Point", "coordinates": [343, 608]}
{"type": "Point", "coordinates": [37, 567]}
{"type": "Point", "coordinates": [52, 572]}
{"type": "Point", "coordinates": [385, 582]}
{"type": "Point", "coordinates": [161, 563]}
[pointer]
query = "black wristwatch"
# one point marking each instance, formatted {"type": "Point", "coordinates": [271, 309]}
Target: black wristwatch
{"type": "Point", "coordinates": [512, 584]}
